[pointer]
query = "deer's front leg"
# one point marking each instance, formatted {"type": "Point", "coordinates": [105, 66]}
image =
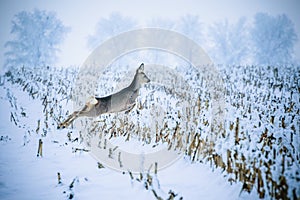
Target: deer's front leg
{"type": "Point", "coordinates": [131, 102]}
{"type": "Point", "coordinates": [129, 107]}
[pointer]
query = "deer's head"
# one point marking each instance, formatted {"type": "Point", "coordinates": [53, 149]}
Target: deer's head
{"type": "Point", "coordinates": [140, 76]}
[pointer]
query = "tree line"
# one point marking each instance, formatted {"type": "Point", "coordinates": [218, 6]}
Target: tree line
{"type": "Point", "coordinates": [267, 40]}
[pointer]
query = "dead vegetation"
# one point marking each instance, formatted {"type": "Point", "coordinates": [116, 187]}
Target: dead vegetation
{"type": "Point", "coordinates": [256, 143]}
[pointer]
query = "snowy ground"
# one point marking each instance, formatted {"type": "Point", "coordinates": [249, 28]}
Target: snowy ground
{"type": "Point", "coordinates": [23, 175]}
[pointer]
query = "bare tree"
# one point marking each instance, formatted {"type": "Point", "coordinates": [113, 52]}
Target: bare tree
{"type": "Point", "coordinates": [273, 39]}
{"type": "Point", "coordinates": [37, 36]}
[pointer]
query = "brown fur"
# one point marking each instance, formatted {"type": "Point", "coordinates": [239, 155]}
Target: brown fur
{"type": "Point", "coordinates": [123, 100]}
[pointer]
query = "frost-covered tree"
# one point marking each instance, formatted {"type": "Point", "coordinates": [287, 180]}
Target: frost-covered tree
{"type": "Point", "coordinates": [229, 43]}
{"type": "Point", "coordinates": [273, 39]}
{"type": "Point", "coordinates": [191, 26]}
{"type": "Point", "coordinates": [36, 38]}
{"type": "Point", "coordinates": [109, 27]}
{"type": "Point", "coordinates": [162, 23]}
{"type": "Point", "coordinates": [158, 56]}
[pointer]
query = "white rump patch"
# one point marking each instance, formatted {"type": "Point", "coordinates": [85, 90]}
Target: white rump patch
{"type": "Point", "coordinates": [92, 100]}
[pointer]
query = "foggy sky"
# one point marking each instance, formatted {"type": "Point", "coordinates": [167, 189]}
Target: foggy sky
{"type": "Point", "coordinates": [82, 17]}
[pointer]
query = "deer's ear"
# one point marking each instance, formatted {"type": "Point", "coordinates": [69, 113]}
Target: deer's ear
{"type": "Point", "coordinates": [141, 68]}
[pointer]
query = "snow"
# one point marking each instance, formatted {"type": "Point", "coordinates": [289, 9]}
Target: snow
{"type": "Point", "coordinates": [26, 176]}
{"type": "Point", "coordinates": [251, 139]}
{"type": "Point", "coordinates": [233, 135]}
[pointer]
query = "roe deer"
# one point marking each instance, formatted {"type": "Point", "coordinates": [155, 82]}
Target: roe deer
{"type": "Point", "coordinates": [123, 100]}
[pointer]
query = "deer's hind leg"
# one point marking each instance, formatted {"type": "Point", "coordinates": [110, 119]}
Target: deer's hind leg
{"type": "Point", "coordinates": [87, 110]}
{"type": "Point", "coordinates": [69, 120]}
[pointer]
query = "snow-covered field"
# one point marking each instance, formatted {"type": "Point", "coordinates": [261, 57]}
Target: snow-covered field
{"type": "Point", "coordinates": [256, 153]}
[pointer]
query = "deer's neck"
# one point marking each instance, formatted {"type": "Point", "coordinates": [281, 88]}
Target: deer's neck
{"type": "Point", "coordinates": [135, 83]}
